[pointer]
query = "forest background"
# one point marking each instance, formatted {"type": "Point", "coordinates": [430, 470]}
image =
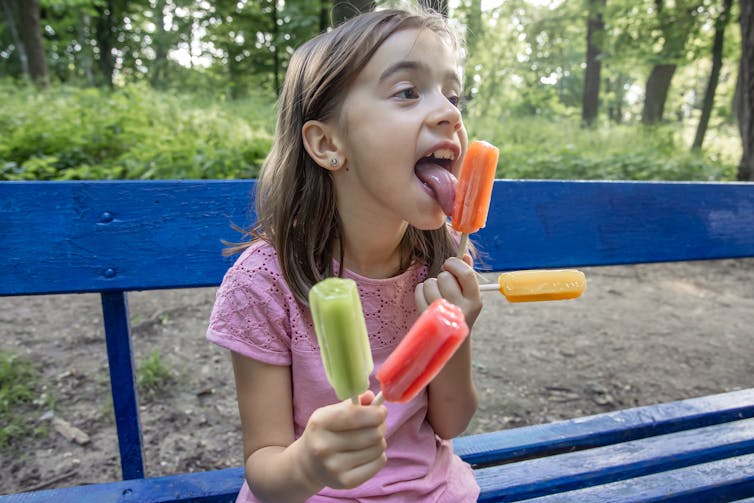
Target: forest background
{"type": "Point", "coordinates": [590, 89]}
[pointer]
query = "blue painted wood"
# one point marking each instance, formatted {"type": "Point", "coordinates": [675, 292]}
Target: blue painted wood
{"type": "Point", "coordinates": [565, 472]}
{"type": "Point", "coordinates": [604, 429]}
{"type": "Point", "coordinates": [58, 237]}
{"type": "Point", "coordinates": [112, 237]}
{"type": "Point", "coordinates": [218, 486]}
{"type": "Point", "coordinates": [122, 383]}
{"type": "Point", "coordinates": [578, 223]}
{"type": "Point", "coordinates": [718, 481]}
{"type": "Point", "coordinates": [135, 235]}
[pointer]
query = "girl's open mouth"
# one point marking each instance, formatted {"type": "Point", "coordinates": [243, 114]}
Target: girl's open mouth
{"type": "Point", "coordinates": [434, 171]}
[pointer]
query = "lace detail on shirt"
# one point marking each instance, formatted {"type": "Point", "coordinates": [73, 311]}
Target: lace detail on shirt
{"type": "Point", "coordinates": [255, 307]}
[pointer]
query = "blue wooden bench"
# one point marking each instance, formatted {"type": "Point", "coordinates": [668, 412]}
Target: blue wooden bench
{"type": "Point", "coordinates": [116, 237]}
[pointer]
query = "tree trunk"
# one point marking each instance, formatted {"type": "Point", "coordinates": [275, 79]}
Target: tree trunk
{"type": "Point", "coordinates": [324, 15]}
{"type": "Point", "coordinates": [10, 21]}
{"type": "Point", "coordinates": [656, 93]}
{"type": "Point", "coordinates": [160, 44]}
{"type": "Point", "coordinates": [105, 34]}
{"type": "Point", "coordinates": [474, 31]}
{"type": "Point", "coordinates": [714, 77]}
{"type": "Point", "coordinates": [31, 36]}
{"type": "Point", "coordinates": [746, 108]}
{"type": "Point", "coordinates": [275, 53]}
{"type": "Point", "coordinates": [595, 28]}
{"type": "Point", "coordinates": [346, 10]}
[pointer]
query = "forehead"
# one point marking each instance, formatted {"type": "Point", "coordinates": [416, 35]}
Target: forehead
{"type": "Point", "coordinates": [413, 45]}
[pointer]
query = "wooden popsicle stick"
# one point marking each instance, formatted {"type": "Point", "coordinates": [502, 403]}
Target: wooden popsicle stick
{"type": "Point", "coordinates": [462, 245]}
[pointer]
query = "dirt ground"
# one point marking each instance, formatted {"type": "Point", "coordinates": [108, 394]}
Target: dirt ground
{"type": "Point", "coordinates": [639, 335]}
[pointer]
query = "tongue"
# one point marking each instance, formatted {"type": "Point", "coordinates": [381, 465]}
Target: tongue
{"type": "Point", "coordinates": [440, 180]}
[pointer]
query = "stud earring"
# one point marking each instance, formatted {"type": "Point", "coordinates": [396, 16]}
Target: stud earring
{"type": "Point", "coordinates": [333, 162]}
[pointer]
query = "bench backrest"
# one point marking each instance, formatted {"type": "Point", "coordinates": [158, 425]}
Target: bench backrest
{"type": "Point", "coordinates": [58, 237]}
{"type": "Point", "coordinates": [117, 236]}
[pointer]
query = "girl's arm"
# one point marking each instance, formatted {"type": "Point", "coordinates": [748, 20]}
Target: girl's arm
{"type": "Point", "coordinates": [452, 395]}
{"type": "Point", "coordinates": [342, 446]}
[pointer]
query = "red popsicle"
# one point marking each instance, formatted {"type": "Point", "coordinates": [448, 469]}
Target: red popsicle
{"type": "Point", "coordinates": [423, 352]}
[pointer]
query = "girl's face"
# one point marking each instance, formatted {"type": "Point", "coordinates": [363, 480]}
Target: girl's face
{"type": "Point", "coordinates": [402, 134]}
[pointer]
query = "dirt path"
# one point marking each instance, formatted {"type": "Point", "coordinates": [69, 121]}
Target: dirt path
{"type": "Point", "coordinates": [639, 335]}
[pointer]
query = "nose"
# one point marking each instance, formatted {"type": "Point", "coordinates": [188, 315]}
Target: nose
{"type": "Point", "coordinates": [444, 113]}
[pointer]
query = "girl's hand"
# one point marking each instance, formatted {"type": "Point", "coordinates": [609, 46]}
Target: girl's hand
{"type": "Point", "coordinates": [456, 283]}
{"type": "Point", "coordinates": [344, 444]}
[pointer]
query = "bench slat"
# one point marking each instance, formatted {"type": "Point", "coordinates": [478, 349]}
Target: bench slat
{"type": "Point", "coordinates": [59, 237]}
{"type": "Point", "coordinates": [564, 472]}
{"type": "Point", "coordinates": [724, 480]}
{"type": "Point", "coordinates": [603, 429]}
{"type": "Point", "coordinates": [217, 486]}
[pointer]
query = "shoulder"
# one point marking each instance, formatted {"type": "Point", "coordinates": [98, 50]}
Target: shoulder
{"type": "Point", "coordinates": [257, 265]}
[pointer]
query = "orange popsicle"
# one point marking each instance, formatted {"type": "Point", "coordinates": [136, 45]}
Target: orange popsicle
{"type": "Point", "coordinates": [474, 189]}
{"type": "Point", "coordinates": [537, 285]}
{"type": "Point", "coordinates": [423, 352]}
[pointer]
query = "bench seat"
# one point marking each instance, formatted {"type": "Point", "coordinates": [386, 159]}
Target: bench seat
{"type": "Point", "coordinates": [692, 447]}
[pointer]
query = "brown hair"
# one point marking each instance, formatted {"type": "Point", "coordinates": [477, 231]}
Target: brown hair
{"type": "Point", "coordinates": [295, 199]}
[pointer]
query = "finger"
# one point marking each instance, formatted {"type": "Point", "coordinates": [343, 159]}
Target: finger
{"type": "Point", "coordinates": [361, 472]}
{"type": "Point", "coordinates": [463, 274]}
{"type": "Point", "coordinates": [357, 440]}
{"type": "Point", "coordinates": [448, 286]}
{"type": "Point", "coordinates": [366, 398]}
{"type": "Point", "coordinates": [345, 416]}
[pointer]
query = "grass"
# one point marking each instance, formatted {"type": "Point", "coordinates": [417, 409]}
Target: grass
{"type": "Point", "coordinates": [21, 397]}
{"type": "Point", "coordinates": [153, 376]}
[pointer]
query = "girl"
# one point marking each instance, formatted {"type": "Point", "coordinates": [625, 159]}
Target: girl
{"type": "Point", "coordinates": [357, 184]}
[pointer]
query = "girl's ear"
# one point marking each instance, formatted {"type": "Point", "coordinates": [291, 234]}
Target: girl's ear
{"type": "Point", "coordinates": [320, 145]}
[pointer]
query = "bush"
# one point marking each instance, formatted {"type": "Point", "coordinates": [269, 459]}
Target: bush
{"type": "Point", "coordinates": [560, 149]}
{"type": "Point", "coordinates": [68, 133]}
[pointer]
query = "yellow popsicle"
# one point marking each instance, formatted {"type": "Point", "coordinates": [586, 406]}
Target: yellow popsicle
{"type": "Point", "coordinates": [538, 285]}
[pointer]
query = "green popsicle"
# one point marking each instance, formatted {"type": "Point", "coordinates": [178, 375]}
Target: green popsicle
{"type": "Point", "coordinates": [342, 336]}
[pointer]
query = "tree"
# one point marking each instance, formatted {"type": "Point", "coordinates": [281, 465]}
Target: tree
{"type": "Point", "coordinates": [31, 36]}
{"type": "Point", "coordinates": [746, 105]}
{"type": "Point", "coordinates": [717, 63]}
{"type": "Point", "coordinates": [594, 32]}
{"type": "Point", "coordinates": [10, 22]}
{"type": "Point", "coordinates": [105, 34]}
{"type": "Point", "coordinates": [474, 33]}
{"type": "Point", "coordinates": [674, 27]}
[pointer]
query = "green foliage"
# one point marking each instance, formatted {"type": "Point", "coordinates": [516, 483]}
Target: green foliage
{"type": "Point", "coordinates": [560, 149]}
{"type": "Point", "coordinates": [153, 376]}
{"type": "Point", "coordinates": [20, 399]}
{"type": "Point", "coordinates": [135, 132]}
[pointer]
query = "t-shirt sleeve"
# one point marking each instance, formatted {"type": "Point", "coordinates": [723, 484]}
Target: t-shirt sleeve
{"type": "Point", "coordinates": [250, 315]}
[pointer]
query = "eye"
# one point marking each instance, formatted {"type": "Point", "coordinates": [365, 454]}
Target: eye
{"type": "Point", "coordinates": [410, 93]}
{"type": "Point", "coordinates": [455, 100]}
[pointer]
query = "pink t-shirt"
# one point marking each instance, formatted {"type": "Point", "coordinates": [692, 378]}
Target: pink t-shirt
{"type": "Point", "coordinates": [256, 315]}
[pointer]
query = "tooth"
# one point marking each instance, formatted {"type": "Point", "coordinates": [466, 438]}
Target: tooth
{"type": "Point", "coordinates": [443, 154]}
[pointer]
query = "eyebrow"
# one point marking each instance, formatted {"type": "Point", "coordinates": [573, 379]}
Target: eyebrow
{"type": "Point", "coordinates": [415, 66]}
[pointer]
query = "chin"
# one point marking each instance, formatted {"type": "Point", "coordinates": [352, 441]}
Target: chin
{"type": "Point", "coordinates": [431, 224]}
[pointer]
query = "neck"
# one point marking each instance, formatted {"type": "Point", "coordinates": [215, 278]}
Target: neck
{"type": "Point", "coordinates": [372, 251]}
